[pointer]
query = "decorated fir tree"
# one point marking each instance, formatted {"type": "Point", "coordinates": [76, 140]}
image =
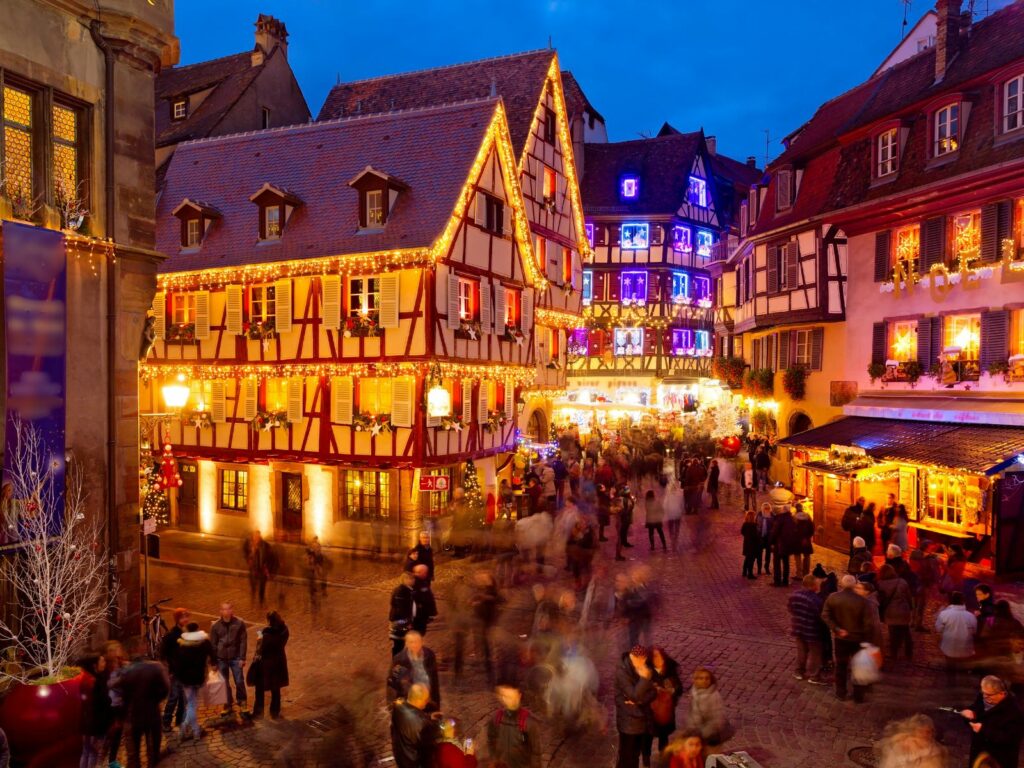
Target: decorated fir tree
{"type": "Point", "coordinates": [473, 497]}
{"type": "Point", "coordinates": [726, 420]}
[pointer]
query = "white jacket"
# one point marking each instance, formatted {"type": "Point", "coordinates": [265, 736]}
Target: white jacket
{"type": "Point", "coordinates": [957, 626]}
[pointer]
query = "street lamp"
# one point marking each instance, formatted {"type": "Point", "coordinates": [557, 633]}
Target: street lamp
{"type": "Point", "coordinates": [176, 394]}
{"type": "Point", "coordinates": [439, 399]}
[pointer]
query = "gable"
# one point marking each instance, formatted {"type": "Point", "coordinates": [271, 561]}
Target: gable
{"type": "Point", "coordinates": [701, 214]}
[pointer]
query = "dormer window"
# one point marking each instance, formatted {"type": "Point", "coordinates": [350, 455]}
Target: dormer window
{"type": "Point", "coordinates": [947, 130]}
{"type": "Point", "coordinates": [196, 218]}
{"type": "Point", "coordinates": [697, 192]}
{"type": "Point", "coordinates": [179, 109]}
{"type": "Point", "coordinates": [887, 153]}
{"type": "Point", "coordinates": [378, 191]}
{"type": "Point", "coordinates": [1013, 104]}
{"type": "Point", "coordinates": [271, 222]}
{"type": "Point", "coordinates": [192, 233]}
{"type": "Point", "coordinates": [629, 187]}
{"type": "Point", "coordinates": [276, 206]}
{"type": "Point", "coordinates": [374, 207]}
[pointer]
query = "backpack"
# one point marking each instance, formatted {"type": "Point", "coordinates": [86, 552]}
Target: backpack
{"type": "Point", "coordinates": [524, 714]}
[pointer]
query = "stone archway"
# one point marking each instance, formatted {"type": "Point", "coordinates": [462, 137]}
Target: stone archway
{"type": "Point", "coordinates": [799, 422]}
{"type": "Point", "coordinates": [537, 426]}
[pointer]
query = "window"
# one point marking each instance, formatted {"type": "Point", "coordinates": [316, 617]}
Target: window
{"type": "Point", "coordinates": [629, 187]}
{"type": "Point", "coordinates": [550, 125]}
{"type": "Point", "coordinates": [702, 342]}
{"type": "Point", "coordinates": [887, 152]}
{"type": "Point", "coordinates": [234, 489]}
{"type": "Point", "coordinates": [271, 221]}
{"type": "Point", "coordinates": [590, 233]}
{"type": "Point", "coordinates": [494, 215]}
{"type": "Point", "coordinates": [588, 286]}
{"type": "Point", "coordinates": [201, 393]}
{"type": "Point", "coordinates": [566, 266]}
{"type": "Point", "coordinates": [363, 297]}
{"type": "Point", "coordinates": [374, 208]}
{"type": "Point", "coordinates": [18, 144]}
{"type": "Point", "coordinates": [633, 287]}
{"type": "Point", "coordinates": [705, 242]}
{"type": "Point", "coordinates": [801, 352]}
{"type": "Point", "coordinates": [264, 117]}
{"type": "Point", "coordinates": [702, 289]}
{"type": "Point", "coordinates": [947, 130]}
{"type": "Point", "coordinates": [963, 332]}
{"type": "Point", "coordinates": [366, 494]}
{"type": "Point", "coordinates": [469, 300]}
{"type": "Point", "coordinates": [262, 303]}
{"type": "Point", "coordinates": [682, 341]}
{"type": "Point", "coordinates": [697, 192]}
{"type": "Point", "coordinates": [375, 395]}
{"type": "Point", "coordinates": [183, 308]}
{"type": "Point", "coordinates": [634, 237]}
{"type": "Point", "coordinates": [549, 185]}
{"type": "Point", "coordinates": [65, 153]}
{"type": "Point", "coordinates": [179, 109]}
{"type": "Point", "coordinates": [966, 236]}
{"type": "Point", "coordinates": [908, 248]}
{"type": "Point", "coordinates": [680, 287]}
{"type": "Point", "coordinates": [1013, 104]}
{"type": "Point", "coordinates": [274, 394]}
{"type": "Point", "coordinates": [682, 239]}
{"type": "Point", "coordinates": [946, 495]}
{"type": "Point", "coordinates": [513, 307]}
{"type": "Point", "coordinates": [192, 233]}
{"type": "Point", "coordinates": [554, 344]}
{"type": "Point", "coordinates": [439, 502]}
{"type": "Point", "coordinates": [903, 341]}
{"type": "Point", "coordinates": [629, 341]}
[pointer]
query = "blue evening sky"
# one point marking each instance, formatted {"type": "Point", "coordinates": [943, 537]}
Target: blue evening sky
{"type": "Point", "coordinates": [734, 67]}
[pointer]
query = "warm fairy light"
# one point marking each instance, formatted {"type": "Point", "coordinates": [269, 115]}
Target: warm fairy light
{"type": "Point", "coordinates": [967, 339]}
{"type": "Point", "coordinates": [555, 318]}
{"type": "Point", "coordinates": [904, 346]}
{"type": "Point", "coordinates": [967, 234]}
{"type": "Point", "coordinates": [176, 394]}
{"type": "Point", "coordinates": [439, 402]}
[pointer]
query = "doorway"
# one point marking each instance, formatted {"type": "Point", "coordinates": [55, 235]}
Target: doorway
{"type": "Point", "coordinates": [188, 496]}
{"type": "Point", "coordinates": [291, 506]}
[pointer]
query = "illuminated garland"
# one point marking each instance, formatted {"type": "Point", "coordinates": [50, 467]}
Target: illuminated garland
{"type": "Point", "coordinates": [556, 318]}
{"type": "Point", "coordinates": [519, 374]}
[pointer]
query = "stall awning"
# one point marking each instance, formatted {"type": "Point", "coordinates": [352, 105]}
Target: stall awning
{"type": "Point", "coordinates": [969, 447]}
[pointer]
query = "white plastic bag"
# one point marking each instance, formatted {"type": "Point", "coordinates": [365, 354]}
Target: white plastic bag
{"type": "Point", "coordinates": [865, 666]}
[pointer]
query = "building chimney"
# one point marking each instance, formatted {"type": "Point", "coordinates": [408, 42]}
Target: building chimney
{"type": "Point", "coordinates": [712, 143]}
{"type": "Point", "coordinates": [947, 35]}
{"type": "Point", "coordinates": [270, 34]}
{"type": "Point", "coordinates": [751, 161]}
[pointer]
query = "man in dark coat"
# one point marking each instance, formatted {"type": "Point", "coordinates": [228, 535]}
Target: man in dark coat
{"type": "Point", "coordinates": [258, 559]}
{"type": "Point", "coordinates": [423, 597]}
{"type": "Point", "coordinates": [401, 614]}
{"type": "Point", "coordinates": [175, 706]}
{"type": "Point", "coordinates": [270, 671]}
{"type": "Point", "coordinates": [230, 644]}
{"type": "Point", "coordinates": [634, 692]}
{"type": "Point", "coordinates": [785, 542]}
{"type": "Point", "coordinates": [513, 735]}
{"type": "Point", "coordinates": [415, 665]}
{"type": "Point", "coordinates": [413, 733]}
{"type": "Point", "coordinates": [997, 724]}
{"type": "Point", "coordinates": [425, 554]}
{"type": "Point", "coordinates": [713, 474]}
{"type": "Point", "coordinates": [856, 519]}
{"type": "Point", "coordinates": [848, 616]}
{"type": "Point", "coordinates": [143, 685]}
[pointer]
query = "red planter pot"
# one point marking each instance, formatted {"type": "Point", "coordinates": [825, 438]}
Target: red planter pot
{"type": "Point", "coordinates": [43, 723]}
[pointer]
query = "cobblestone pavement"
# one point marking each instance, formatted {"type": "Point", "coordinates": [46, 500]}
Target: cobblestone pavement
{"type": "Point", "coordinates": [334, 712]}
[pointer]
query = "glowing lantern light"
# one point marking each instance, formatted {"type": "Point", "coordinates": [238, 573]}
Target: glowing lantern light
{"type": "Point", "coordinates": [176, 395]}
{"type": "Point", "coordinates": [439, 402]}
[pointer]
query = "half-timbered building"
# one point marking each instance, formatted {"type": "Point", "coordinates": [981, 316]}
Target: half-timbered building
{"type": "Point", "coordinates": [530, 85]}
{"type": "Point", "coordinates": [654, 222]}
{"type": "Point", "coordinates": [322, 280]}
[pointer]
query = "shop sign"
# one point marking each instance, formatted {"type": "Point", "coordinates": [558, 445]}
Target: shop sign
{"type": "Point", "coordinates": [434, 483]}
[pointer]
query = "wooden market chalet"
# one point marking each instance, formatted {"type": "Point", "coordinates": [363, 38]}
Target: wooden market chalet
{"type": "Point", "coordinates": [322, 279]}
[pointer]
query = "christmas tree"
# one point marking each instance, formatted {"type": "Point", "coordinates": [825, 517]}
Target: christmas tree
{"type": "Point", "coordinates": [727, 420]}
{"type": "Point", "coordinates": [474, 498]}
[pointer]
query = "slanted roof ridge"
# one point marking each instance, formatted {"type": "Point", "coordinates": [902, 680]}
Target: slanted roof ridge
{"type": "Point", "coordinates": [182, 67]}
{"type": "Point", "coordinates": [670, 137]}
{"type": "Point", "coordinates": [324, 124]}
{"type": "Point", "coordinates": [488, 60]}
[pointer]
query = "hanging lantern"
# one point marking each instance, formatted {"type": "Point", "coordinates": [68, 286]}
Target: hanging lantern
{"type": "Point", "coordinates": [176, 395]}
{"type": "Point", "coordinates": [439, 402]}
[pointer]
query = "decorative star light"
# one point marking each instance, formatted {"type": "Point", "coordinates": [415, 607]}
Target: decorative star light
{"type": "Point", "coordinates": [375, 429]}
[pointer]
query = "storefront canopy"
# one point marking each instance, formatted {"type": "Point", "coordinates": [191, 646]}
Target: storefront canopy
{"type": "Point", "coordinates": [969, 447]}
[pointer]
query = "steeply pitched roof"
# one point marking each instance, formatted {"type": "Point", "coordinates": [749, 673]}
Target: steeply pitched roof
{"type": "Point", "coordinates": [663, 164]}
{"type": "Point", "coordinates": [576, 101]}
{"type": "Point", "coordinates": [431, 150]}
{"type": "Point", "coordinates": [518, 79]}
{"type": "Point", "coordinates": [229, 77]}
{"type": "Point", "coordinates": [734, 171]}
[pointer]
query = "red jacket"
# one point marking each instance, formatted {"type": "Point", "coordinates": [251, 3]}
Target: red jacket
{"type": "Point", "coordinates": [448, 755]}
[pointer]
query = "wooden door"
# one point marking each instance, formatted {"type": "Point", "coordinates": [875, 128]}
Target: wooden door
{"type": "Point", "coordinates": [291, 506]}
{"type": "Point", "coordinates": [188, 496]}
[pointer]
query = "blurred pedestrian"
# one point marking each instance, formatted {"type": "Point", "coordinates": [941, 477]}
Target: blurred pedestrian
{"type": "Point", "coordinates": [174, 709]}
{"type": "Point", "coordinates": [195, 656]}
{"type": "Point", "coordinates": [803, 542]}
{"type": "Point", "coordinates": [748, 483]}
{"type": "Point", "coordinates": [634, 692]}
{"type": "Point", "coordinates": [848, 616]}
{"type": "Point", "coordinates": [486, 602]}
{"type": "Point", "coordinates": [269, 670]}
{"type": "Point", "coordinates": [654, 513]}
{"type": "Point", "coordinates": [805, 606]}
{"type": "Point", "coordinates": [686, 750]}
{"type": "Point", "coordinates": [668, 690]}
{"type": "Point", "coordinates": [415, 664]}
{"type": "Point", "coordinates": [714, 473]}
{"type": "Point", "coordinates": [228, 635]}
{"type": "Point", "coordinates": [423, 598]}
{"type": "Point", "coordinates": [413, 732]}
{"type": "Point", "coordinates": [911, 743]}
{"type": "Point", "coordinates": [751, 544]}
{"type": "Point", "coordinates": [116, 660]}
{"type": "Point", "coordinates": [401, 612]}
{"type": "Point", "coordinates": [257, 558]}
{"type": "Point", "coordinates": [96, 715]}
{"type": "Point", "coordinates": [957, 627]}
{"type": "Point", "coordinates": [706, 712]}
{"type": "Point", "coordinates": [764, 531]}
{"type": "Point", "coordinates": [143, 686]}
{"type": "Point", "coordinates": [513, 734]}
{"type": "Point", "coordinates": [897, 610]}
{"type": "Point", "coordinates": [673, 503]}
{"type": "Point", "coordinates": [316, 573]}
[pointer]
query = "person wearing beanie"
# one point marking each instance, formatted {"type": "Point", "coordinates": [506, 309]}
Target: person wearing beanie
{"type": "Point", "coordinates": [634, 692]}
{"type": "Point", "coordinates": [858, 556]}
{"type": "Point", "coordinates": [174, 708]}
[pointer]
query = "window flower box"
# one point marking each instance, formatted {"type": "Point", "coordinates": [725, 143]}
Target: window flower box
{"type": "Point", "coordinates": [450, 423]}
{"type": "Point", "coordinates": [268, 420]}
{"type": "Point", "coordinates": [704, 303]}
{"type": "Point", "coordinates": [469, 329]}
{"type": "Point", "coordinates": [513, 333]}
{"type": "Point", "coordinates": [1016, 368]}
{"type": "Point", "coordinates": [680, 299]}
{"type": "Point", "coordinates": [259, 330]}
{"type": "Point", "coordinates": [361, 326]}
{"type": "Point", "coordinates": [198, 419]}
{"type": "Point", "coordinates": [495, 420]}
{"type": "Point", "coordinates": [375, 424]}
{"type": "Point", "coordinates": [183, 332]}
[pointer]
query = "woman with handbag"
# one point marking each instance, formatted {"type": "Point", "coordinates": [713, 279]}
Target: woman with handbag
{"type": "Point", "coordinates": [269, 669]}
{"type": "Point", "coordinates": [663, 709]}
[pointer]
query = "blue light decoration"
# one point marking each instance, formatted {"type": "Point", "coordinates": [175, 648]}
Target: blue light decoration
{"type": "Point", "coordinates": [633, 288]}
{"type": "Point", "coordinates": [681, 288]}
{"type": "Point", "coordinates": [590, 232]}
{"type": "Point", "coordinates": [634, 236]}
{"type": "Point", "coordinates": [702, 345]}
{"type": "Point", "coordinates": [629, 341]}
{"type": "Point", "coordinates": [629, 187]}
{"type": "Point", "coordinates": [705, 240]}
{"type": "Point", "coordinates": [682, 239]}
{"type": "Point", "coordinates": [588, 286]}
{"type": "Point", "coordinates": [702, 291]}
{"type": "Point", "coordinates": [682, 342]}
{"type": "Point", "coordinates": [697, 192]}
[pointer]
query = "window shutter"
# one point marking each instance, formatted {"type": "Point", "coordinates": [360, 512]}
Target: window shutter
{"type": "Point", "coordinates": [160, 315]}
{"type": "Point", "coordinates": [738, 284]}
{"type": "Point", "coordinates": [554, 262]}
{"type": "Point", "coordinates": [486, 319]}
{"type": "Point", "coordinates": [480, 212]}
{"type": "Point", "coordinates": [283, 305]}
{"type": "Point", "coordinates": [218, 403]}
{"type": "Point", "coordinates": [249, 389]}
{"type": "Point", "coordinates": [656, 234]}
{"type": "Point", "coordinates": [482, 401]}
{"type": "Point", "coordinates": [453, 301]}
{"type": "Point", "coordinates": [989, 232]}
{"type": "Point", "coordinates": [330, 289]}
{"type": "Point", "coordinates": [527, 310]}
{"type": "Point", "coordinates": [792, 264]}
{"type": "Point", "coordinates": [499, 308]}
{"type": "Point", "coordinates": [933, 243]}
{"type": "Point", "coordinates": [650, 342]}
{"type": "Point", "coordinates": [755, 353]}
{"type": "Point", "coordinates": [403, 391]}
{"type": "Point", "coordinates": [467, 400]}
{"type": "Point", "coordinates": [599, 234]}
{"type": "Point", "coordinates": [506, 219]}
{"type": "Point", "coordinates": [233, 309]}
{"type": "Point", "coordinates": [577, 271]}
{"type": "Point", "coordinates": [784, 345]}
{"type": "Point", "coordinates": [929, 342]}
{"type": "Point", "coordinates": [883, 245]}
{"type": "Point", "coordinates": [995, 337]}
{"type": "Point", "coordinates": [296, 385]}
{"type": "Point", "coordinates": [1004, 224]}
{"type": "Point", "coordinates": [783, 189]}
{"type": "Point", "coordinates": [202, 315]}
{"type": "Point", "coordinates": [341, 390]}
{"type": "Point", "coordinates": [817, 346]}
{"type": "Point", "coordinates": [510, 400]}
{"type": "Point", "coordinates": [879, 337]}
{"type": "Point", "coordinates": [389, 300]}
{"type": "Point", "coordinates": [773, 268]}
{"type": "Point", "coordinates": [543, 340]}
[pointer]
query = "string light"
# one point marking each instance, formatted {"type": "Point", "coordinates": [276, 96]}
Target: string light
{"type": "Point", "coordinates": [555, 318]}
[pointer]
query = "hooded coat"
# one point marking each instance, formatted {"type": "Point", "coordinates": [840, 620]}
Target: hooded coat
{"type": "Point", "coordinates": [194, 654]}
{"type": "Point", "coordinates": [633, 696]}
{"type": "Point", "coordinates": [803, 534]}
